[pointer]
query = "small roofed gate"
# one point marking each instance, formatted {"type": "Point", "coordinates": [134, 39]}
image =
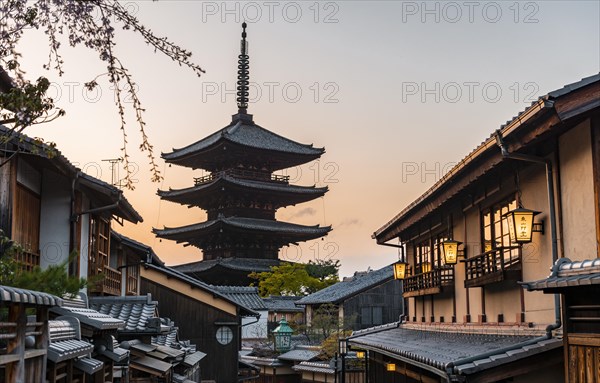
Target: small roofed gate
{"type": "Point", "coordinates": [23, 343]}
{"type": "Point", "coordinates": [582, 341]}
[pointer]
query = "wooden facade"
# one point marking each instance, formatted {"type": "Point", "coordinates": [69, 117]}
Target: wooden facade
{"type": "Point", "coordinates": [211, 322]}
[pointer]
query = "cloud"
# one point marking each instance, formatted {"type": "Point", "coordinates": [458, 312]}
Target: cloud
{"type": "Point", "coordinates": [307, 211]}
{"type": "Point", "coordinates": [349, 222]}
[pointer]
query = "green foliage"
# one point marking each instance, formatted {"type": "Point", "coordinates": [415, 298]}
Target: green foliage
{"type": "Point", "coordinates": [331, 344]}
{"type": "Point", "coordinates": [53, 279]}
{"type": "Point", "coordinates": [294, 279]}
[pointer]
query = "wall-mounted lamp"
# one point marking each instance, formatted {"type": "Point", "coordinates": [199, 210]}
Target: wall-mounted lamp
{"type": "Point", "coordinates": [521, 225]}
{"type": "Point", "coordinates": [452, 252]}
{"type": "Point", "coordinates": [390, 366]}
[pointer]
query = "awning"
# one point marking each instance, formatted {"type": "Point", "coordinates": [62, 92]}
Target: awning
{"type": "Point", "coordinates": [568, 274]}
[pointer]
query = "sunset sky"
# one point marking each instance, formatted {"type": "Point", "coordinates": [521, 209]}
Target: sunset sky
{"type": "Point", "coordinates": [397, 93]}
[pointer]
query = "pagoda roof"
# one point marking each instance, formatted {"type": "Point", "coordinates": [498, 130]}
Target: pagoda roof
{"type": "Point", "coordinates": [287, 232]}
{"type": "Point", "coordinates": [194, 195]}
{"type": "Point", "coordinates": [234, 263]}
{"type": "Point", "coordinates": [244, 133]}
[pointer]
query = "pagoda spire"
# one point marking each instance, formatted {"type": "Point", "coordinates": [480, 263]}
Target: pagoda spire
{"type": "Point", "coordinates": [243, 74]}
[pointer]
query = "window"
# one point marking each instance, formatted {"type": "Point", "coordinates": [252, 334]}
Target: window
{"type": "Point", "coordinates": [495, 235]}
{"type": "Point", "coordinates": [224, 335]}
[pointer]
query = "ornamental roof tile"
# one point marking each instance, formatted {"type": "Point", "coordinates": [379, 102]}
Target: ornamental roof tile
{"type": "Point", "coordinates": [349, 287]}
{"type": "Point", "coordinates": [16, 295]}
{"type": "Point", "coordinates": [91, 317]}
{"type": "Point", "coordinates": [314, 367]}
{"type": "Point", "coordinates": [138, 312]}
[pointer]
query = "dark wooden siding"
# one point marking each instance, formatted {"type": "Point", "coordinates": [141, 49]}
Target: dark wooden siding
{"type": "Point", "coordinates": [197, 322]}
{"type": "Point", "coordinates": [386, 298]}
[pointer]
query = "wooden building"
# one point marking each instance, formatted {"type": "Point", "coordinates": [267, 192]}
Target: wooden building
{"type": "Point", "coordinates": [241, 195]}
{"type": "Point", "coordinates": [206, 317]}
{"type": "Point", "coordinates": [472, 321]}
{"type": "Point", "coordinates": [579, 284]}
{"type": "Point", "coordinates": [51, 208]}
{"type": "Point", "coordinates": [364, 300]}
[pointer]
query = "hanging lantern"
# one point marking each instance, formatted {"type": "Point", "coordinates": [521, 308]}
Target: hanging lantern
{"type": "Point", "coordinates": [400, 270]}
{"type": "Point", "coordinates": [450, 248]}
{"type": "Point", "coordinates": [283, 336]}
{"type": "Point", "coordinates": [520, 224]}
{"type": "Point", "coordinates": [343, 346]}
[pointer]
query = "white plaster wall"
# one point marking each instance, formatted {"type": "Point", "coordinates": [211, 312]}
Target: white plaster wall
{"type": "Point", "coordinates": [577, 193]}
{"type": "Point", "coordinates": [256, 330]}
{"type": "Point", "coordinates": [54, 219]}
{"type": "Point", "coordinates": [29, 176]}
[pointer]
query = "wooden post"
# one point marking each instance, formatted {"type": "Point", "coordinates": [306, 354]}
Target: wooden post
{"type": "Point", "coordinates": [15, 372]}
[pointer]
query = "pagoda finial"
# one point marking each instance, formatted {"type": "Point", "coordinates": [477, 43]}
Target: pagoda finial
{"type": "Point", "coordinates": [243, 74]}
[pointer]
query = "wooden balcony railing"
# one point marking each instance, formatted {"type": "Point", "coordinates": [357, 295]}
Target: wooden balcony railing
{"type": "Point", "coordinates": [27, 260]}
{"type": "Point", "coordinates": [431, 282]}
{"type": "Point", "coordinates": [493, 266]}
{"type": "Point", "coordinates": [112, 281]}
{"type": "Point", "coordinates": [240, 173]}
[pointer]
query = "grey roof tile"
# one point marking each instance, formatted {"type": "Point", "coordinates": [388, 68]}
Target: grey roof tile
{"type": "Point", "coordinates": [350, 287]}
{"type": "Point", "coordinates": [314, 367]}
{"type": "Point", "coordinates": [134, 311]}
{"type": "Point", "coordinates": [567, 273]}
{"type": "Point", "coordinates": [245, 296]}
{"type": "Point", "coordinates": [244, 264]}
{"type": "Point", "coordinates": [91, 317]}
{"type": "Point", "coordinates": [282, 304]}
{"type": "Point", "coordinates": [31, 297]}
{"type": "Point", "coordinates": [440, 349]}
{"type": "Point", "coordinates": [299, 355]}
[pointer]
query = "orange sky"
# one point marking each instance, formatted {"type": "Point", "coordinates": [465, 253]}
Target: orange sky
{"type": "Point", "coordinates": [396, 94]}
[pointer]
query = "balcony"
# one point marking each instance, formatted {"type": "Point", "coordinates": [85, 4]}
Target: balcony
{"type": "Point", "coordinates": [109, 283]}
{"type": "Point", "coordinates": [493, 266]}
{"type": "Point", "coordinates": [240, 173]}
{"type": "Point", "coordinates": [429, 283]}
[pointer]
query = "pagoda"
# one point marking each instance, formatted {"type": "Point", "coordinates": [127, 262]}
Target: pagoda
{"type": "Point", "coordinates": [241, 195]}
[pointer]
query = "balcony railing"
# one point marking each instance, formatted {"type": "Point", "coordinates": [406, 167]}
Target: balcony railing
{"type": "Point", "coordinates": [112, 281]}
{"type": "Point", "coordinates": [27, 260]}
{"type": "Point", "coordinates": [431, 282]}
{"type": "Point", "coordinates": [493, 266]}
{"type": "Point", "coordinates": [240, 173]}
{"type": "Point", "coordinates": [131, 287]}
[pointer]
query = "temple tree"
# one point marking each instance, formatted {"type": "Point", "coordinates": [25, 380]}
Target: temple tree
{"type": "Point", "coordinates": [241, 194]}
{"type": "Point", "coordinates": [83, 23]}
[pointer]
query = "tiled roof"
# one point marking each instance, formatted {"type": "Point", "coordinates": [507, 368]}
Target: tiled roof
{"type": "Point", "coordinates": [193, 358]}
{"type": "Point", "coordinates": [243, 264]}
{"type": "Point", "coordinates": [282, 304]}
{"type": "Point", "coordinates": [91, 317]}
{"type": "Point", "coordinates": [245, 296]}
{"type": "Point", "coordinates": [245, 133]}
{"type": "Point", "coordinates": [184, 233]}
{"type": "Point", "coordinates": [138, 312]}
{"type": "Point", "coordinates": [567, 273]}
{"type": "Point", "coordinates": [543, 103]}
{"type": "Point", "coordinates": [300, 355]}
{"type": "Point", "coordinates": [292, 193]}
{"type": "Point", "coordinates": [65, 340]}
{"type": "Point", "coordinates": [146, 252]}
{"type": "Point", "coordinates": [314, 367]}
{"type": "Point", "coordinates": [16, 295]}
{"type": "Point", "coordinates": [349, 287]}
{"type": "Point", "coordinates": [465, 352]}
{"type": "Point", "coordinates": [89, 365]}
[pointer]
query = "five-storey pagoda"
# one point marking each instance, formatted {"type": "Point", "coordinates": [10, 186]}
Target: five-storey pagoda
{"type": "Point", "coordinates": [241, 195]}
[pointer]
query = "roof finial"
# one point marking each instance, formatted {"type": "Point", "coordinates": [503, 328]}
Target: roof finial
{"type": "Point", "coordinates": [243, 76]}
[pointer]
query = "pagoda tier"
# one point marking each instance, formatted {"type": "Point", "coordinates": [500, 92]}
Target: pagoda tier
{"type": "Point", "coordinates": [227, 271]}
{"type": "Point", "coordinates": [227, 237]}
{"type": "Point", "coordinates": [243, 142]}
{"type": "Point", "coordinates": [236, 188]}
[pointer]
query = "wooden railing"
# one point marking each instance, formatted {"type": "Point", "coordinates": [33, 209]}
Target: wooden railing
{"type": "Point", "coordinates": [111, 283]}
{"type": "Point", "coordinates": [429, 283]}
{"type": "Point", "coordinates": [27, 260]}
{"type": "Point", "coordinates": [240, 173]}
{"type": "Point", "coordinates": [496, 265]}
{"type": "Point", "coordinates": [131, 286]}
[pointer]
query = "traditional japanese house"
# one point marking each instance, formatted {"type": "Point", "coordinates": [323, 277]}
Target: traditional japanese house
{"type": "Point", "coordinates": [241, 195]}
{"type": "Point", "coordinates": [23, 344]}
{"type": "Point", "coordinates": [470, 321]}
{"type": "Point", "coordinates": [364, 300]}
{"type": "Point", "coordinates": [209, 319]}
{"type": "Point", "coordinates": [52, 209]}
{"type": "Point", "coordinates": [579, 284]}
